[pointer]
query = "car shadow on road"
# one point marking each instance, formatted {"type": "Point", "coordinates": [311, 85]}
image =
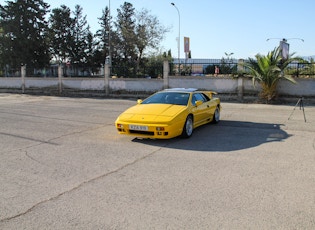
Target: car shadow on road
{"type": "Point", "coordinates": [224, 137]}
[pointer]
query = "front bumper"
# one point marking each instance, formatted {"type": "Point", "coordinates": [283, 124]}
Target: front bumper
{"type": "Point", "coordinates": [154, 131]}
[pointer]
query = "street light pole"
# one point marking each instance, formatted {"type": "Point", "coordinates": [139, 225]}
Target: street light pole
{"type": "Point", "coordinates": [173, 4]}
{"type": "Point", "coordinates": [109, 35]}
{"type": "Point", "coordinates": [284, 45]}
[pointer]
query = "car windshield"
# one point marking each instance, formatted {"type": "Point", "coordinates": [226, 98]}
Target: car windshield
{"type": "Point", "coordinates": [174, 98]}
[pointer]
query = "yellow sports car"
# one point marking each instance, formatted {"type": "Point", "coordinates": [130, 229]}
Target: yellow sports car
{"type": "Point", "coordinates": [170, 113]}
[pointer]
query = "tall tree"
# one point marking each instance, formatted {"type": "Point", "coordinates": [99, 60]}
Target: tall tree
{"type": "Point", "coordinates": [24, 38]}
{"type": "Point", "coordinates": [125, 27]}
{"type": "Point", "coordinates": [81, 31]}
{"type": "Point", "coordinates": [61, 39]}
{"type": "Point", "coordinates": [149, 33]}
{"type": "Point", "coordinates": [103, 37]}
{"type": "Point", "coordinates": [2, 48]}
{"type": "Point", "coordinates": [89, 50]}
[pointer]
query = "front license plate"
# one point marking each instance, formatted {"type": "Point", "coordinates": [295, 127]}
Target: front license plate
{"type": "Point", "coordinates": [138, 127]}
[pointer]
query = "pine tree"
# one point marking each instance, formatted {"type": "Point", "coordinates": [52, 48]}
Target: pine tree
{"type": "Point", "coordinates": [24, 36]}
{"type": "Point", "coordinates": [125, 26]}
{"type": "Point", "coordinates": [81, 31]}
{"type": "Point", "coordinates": [103, 37]}
{"type": "Point", "coordinates": [60, 33]}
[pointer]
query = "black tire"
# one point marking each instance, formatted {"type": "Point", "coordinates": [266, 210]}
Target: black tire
{"type": "Point", "coordinates": [216, 116]}
{"type": "Point", "coordinates": [188, 127]}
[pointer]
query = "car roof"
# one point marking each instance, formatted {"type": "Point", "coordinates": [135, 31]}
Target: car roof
{"type": "Point", "coordinates": [181, 90]}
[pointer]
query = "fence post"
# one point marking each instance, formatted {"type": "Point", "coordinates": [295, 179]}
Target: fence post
{"type": "Point", "coordinates": [240, 88]}
{"type": "Point", "coordinates": [297, 70]}
{"type": "Point", "coordinates": [240, 65]}
{"type": "Point", "coordinates": [106, 78]}
{"type": "Point", "coordinates": [23, 75]}
{"type": "Point", "coordinates": [60, 76]}
{"type": "Point", "coordinates": [165, 74]}
{"type": "Point", "coordinates": [240, 80]}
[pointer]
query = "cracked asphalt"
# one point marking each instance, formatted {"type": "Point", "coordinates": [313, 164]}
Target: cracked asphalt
{"type": "Point", "coordinates": [63, 166]}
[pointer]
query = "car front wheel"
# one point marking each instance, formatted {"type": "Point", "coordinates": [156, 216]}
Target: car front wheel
{"type": "Point", "coordinates": [188, 127]}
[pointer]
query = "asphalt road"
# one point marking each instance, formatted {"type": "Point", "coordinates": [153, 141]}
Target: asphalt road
{"type": "Point", "coordinates": [63, 166]}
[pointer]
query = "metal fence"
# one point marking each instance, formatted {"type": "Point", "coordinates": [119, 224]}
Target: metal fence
{"type": "Point", "coordinates": [202, 67]}
{"type": "Point", "coordinates": [186, 67]}
{"type": "Point", "coordinates": [301, 70]}
{"type": "Point", "coordinates": [153, 71]}
{"type": "Point", "coordinates": [52, 71]}
{"type": "Point", "coordinates": [10, 72]}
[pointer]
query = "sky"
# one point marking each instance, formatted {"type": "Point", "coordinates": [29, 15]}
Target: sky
{"type": "Point", "coordinates": [220, 27]}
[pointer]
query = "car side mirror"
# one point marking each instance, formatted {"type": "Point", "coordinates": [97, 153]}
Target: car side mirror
{"type": "Point", "coordinates": [199, 103]}
{"type": "Point", "coordinates": [139, 101]}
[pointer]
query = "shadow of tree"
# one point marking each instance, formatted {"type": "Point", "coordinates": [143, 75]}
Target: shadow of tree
{"type": "Point", "coordinates": [224, 137]}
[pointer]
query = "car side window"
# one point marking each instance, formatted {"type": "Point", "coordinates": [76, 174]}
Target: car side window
{"type": "Point", "coordinates": [198, 97]}
{"type": "Point", "coordinates": [193, 99]}
{"type": "Point", "coordinates": [205, 97]}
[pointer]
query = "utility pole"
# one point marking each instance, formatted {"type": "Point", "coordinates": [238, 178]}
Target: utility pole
{"type": "Point", "coordinates": [173, 4]}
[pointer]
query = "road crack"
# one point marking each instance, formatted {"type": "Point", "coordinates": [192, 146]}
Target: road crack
{"type": "Point", "coordinates": [80, 185]}
{"type": "Point", "coordinates": [49, 141]}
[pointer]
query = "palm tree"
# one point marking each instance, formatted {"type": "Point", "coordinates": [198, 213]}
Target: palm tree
{"type": "Point", "coordinates": [268, 70]}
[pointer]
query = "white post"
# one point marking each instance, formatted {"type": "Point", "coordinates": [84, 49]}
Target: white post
{"type": "Point", "coordinates": [240, 88]}
{"type": "Point", "coordinates": [240, 80]}
{"type": "Point", "coordinates": [60, 76]}
{"type": "Point", "coordinates": [106, 78]}
{"type": "Point", "coordinates": [165, 74]}
{"type": "Point", "coordinates": [23, 75]}
{"type": "Point", "coordinates": [240, 65]}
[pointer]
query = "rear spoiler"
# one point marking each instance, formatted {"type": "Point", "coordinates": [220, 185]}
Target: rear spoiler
{"type": "Point", "coordinates": [210, 94]}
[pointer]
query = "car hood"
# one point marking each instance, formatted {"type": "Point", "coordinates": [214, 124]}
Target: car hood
{"type": "Point", "coordinates": [151, 113]}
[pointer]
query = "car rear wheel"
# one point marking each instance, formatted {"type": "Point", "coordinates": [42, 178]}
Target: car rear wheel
{"type": "Point", "coordinates": [216, 116]}
{"type": "Point", "coordinates": [188, 127]}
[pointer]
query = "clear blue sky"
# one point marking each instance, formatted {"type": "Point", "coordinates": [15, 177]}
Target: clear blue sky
{"type": "Point", "coordinates": [216, 27]}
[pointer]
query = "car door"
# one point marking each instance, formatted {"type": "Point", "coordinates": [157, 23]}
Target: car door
{"type": "Point", "coordinates": [211, 105]}
{"type": "Point", "coordinates": [200, 110]}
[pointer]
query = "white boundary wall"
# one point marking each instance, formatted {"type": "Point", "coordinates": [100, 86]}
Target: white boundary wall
{"type": "Point", "coordinates": [226, 85]}
{"type": "Point", "coordinates": [236, 87]}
